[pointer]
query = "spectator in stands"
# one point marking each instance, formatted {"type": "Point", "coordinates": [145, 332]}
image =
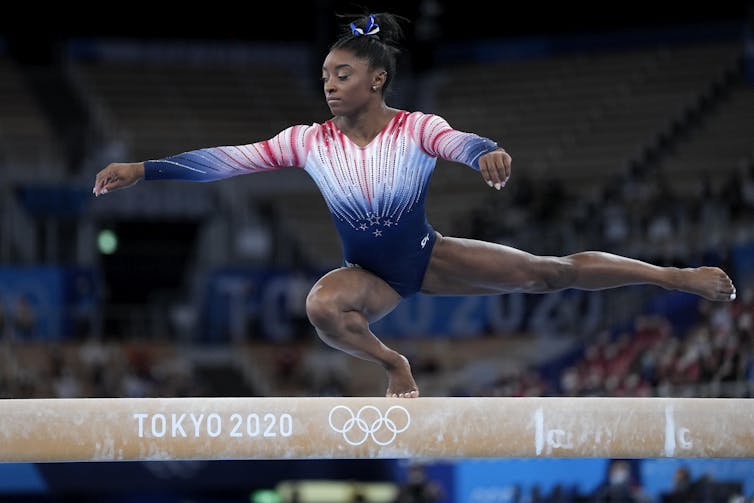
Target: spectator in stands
{"type": "Point", "coordinates": [747, 186]}
{"type": "Point", "coordinates": [3, 320]}
{"type": "Point", "coordinates": [298, 288]}
{"type": "Point", "coordinates": [682, 491]}
{"type": "Point", "coordinates": [372, 164]}
{"type": "Point", "coordinates": [621, 485]}
{"type": "Point", "coordinates": [358, 496]}
{"type": "Point", "coordinates": [85, 308]}
{"type": "Point", "coordinates": [418, 488]}
{"type": "Point", "coordinates": [24, 319]}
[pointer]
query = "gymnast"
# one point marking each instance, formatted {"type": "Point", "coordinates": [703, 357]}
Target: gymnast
{"type": "Point", "coordinates": [372, 164]}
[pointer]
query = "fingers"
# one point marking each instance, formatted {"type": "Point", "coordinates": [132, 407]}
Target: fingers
{"type": "Point", "coordinates": [495, 168]}
{"type": "Point", "coordinates": [99, 184]}
{"type": "Point", "coordinates": [507, 164]}
{"type": "Point", "coordinates": [108, 180]}
{"type": "Point", "coordinates": [486, 173]}
{"type": "Point", "coordinates": [104, 180]}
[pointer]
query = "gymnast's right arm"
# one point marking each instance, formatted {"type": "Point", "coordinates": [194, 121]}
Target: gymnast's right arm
{"type": "Point", "coordinates": [288, 148]}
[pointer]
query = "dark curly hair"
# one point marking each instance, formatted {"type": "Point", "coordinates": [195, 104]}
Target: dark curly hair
{"type": "Point", "coordinates": [381, 49]}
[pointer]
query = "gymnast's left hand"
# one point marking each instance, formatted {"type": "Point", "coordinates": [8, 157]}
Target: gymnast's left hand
{"type": "Point", "coordinates": [495, 168]}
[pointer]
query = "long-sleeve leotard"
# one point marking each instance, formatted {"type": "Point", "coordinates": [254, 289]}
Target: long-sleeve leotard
{"type": "Point", "coordinates": [375, 193]}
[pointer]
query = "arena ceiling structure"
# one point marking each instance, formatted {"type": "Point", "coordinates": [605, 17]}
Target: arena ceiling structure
{"type": "Point", "coordinates": [435, 21]}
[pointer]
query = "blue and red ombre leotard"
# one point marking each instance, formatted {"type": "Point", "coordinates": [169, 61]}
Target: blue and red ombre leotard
{"type": "Point", "coordinates": [375, 193]}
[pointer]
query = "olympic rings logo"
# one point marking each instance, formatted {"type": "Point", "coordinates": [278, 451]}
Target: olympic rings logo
{"type": "Point", "coordinates": [369, 422]}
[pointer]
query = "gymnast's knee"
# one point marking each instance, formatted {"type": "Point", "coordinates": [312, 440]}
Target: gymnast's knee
{"type": "Point", "coordinates": [323, 308]}
{"type": "Point", "coordinates": [556, 273]}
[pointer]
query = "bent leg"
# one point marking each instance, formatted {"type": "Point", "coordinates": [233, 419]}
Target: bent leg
{"type": "Point", "coordinates": [471, 267]}
{"type": "Point", "coordinates": [342, 304]}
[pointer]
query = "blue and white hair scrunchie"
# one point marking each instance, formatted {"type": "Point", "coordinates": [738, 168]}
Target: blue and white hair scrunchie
{"type": "Point", "coordinates": [372, 28]}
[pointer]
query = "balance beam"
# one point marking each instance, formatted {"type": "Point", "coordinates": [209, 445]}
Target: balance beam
{"type": "Point", "coordinates": [146, 429]}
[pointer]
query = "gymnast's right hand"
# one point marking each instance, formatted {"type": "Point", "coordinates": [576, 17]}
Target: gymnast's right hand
{"type": "Point", "coordinates": [118, 175]}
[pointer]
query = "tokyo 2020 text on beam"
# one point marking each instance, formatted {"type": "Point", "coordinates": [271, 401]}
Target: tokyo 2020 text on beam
{"type": "Point", "coordinates": [120, 429]}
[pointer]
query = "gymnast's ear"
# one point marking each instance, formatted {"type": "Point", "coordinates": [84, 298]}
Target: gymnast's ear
{"type": "Point", "coordinates": [378, 79]}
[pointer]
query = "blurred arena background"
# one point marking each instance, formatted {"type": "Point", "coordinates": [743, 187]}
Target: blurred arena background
{"type": "Point", "coordinates": [631, 126]}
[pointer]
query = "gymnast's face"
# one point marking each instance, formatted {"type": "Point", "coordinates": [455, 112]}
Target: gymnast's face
{"type": "Point", "coordinates": [348, 81]}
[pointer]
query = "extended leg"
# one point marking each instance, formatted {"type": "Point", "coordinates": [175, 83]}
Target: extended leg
{"type": "Point", "coordinates": [467, 266]}
{"type": "Point", "coordinates": [342, 304]}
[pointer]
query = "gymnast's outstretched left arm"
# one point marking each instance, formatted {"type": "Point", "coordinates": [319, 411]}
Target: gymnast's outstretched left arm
{"type": "Point", "coordinates": [439, 139]}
